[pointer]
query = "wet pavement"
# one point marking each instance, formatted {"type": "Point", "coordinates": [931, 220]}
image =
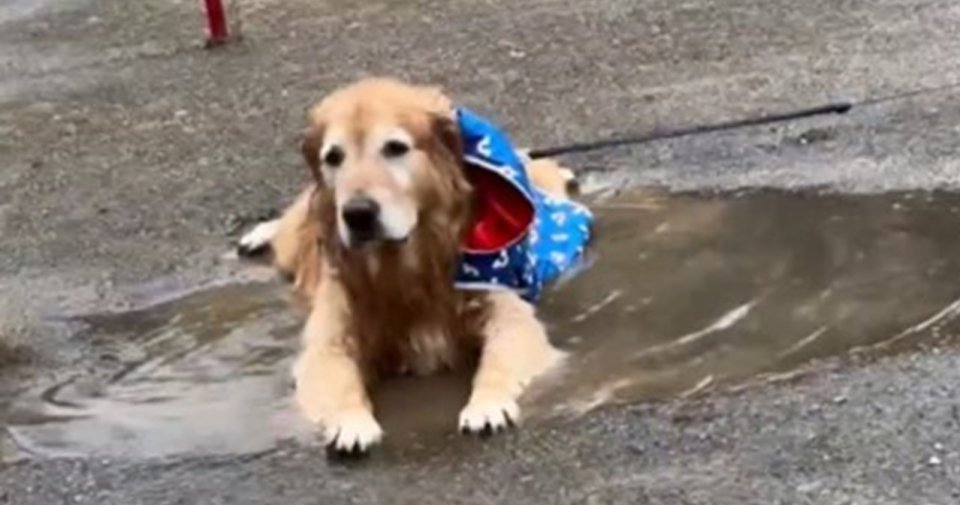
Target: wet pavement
{"type": "Point", "coordinates": [683, 293]}
{"type": "Point", "coordinates": [130, 158]}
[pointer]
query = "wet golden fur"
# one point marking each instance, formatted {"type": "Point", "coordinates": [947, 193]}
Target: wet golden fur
{"type": "Point", "coordinates": [393, 308]}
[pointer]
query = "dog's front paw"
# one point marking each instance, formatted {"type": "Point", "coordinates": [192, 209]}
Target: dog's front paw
{"type": "Point", "coordinates": [257, 241]}
{"type": "Point", "coordinates": [488, 416]}
{"type": "Point", "coordinates": [352, 432]}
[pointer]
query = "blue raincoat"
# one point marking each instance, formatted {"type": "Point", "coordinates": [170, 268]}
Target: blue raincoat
{"type": "Point", "coordinates": [551, 240]}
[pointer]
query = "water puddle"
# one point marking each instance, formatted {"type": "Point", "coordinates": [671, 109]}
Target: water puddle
{"type": "Point", "coordinates": [200, 374]}
{"type": "Point", "coordinates": [688, 292]}
{"type": "Point", "coordinates": [683, 293]}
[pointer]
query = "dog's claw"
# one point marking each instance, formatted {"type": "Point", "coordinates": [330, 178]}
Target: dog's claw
{"type": "Point", "coordinates": [488, 417]}
{"type": "Point", "coordinates": [510, 422]}
{"type": "Point", "coordinates": [353, 434]}
{"type": "Point", "coordinates": [354, 451]}
{"type": "Point", "coordinates": [487, 431]}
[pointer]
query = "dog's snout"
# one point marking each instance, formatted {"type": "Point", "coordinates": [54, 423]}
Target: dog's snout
{"type": "Point", "coordinates": [362, 215]}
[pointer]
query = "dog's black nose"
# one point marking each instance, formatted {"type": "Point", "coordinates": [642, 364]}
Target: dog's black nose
{"type": "Point", "coordinates": [362, 216]}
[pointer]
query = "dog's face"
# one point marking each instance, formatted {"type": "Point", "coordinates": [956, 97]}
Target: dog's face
{"type": "Point", "coordinates": [388, 152]}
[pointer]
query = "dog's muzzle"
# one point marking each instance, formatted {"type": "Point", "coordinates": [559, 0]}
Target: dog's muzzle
{"type": "Point", "coordinates": [361, 215]}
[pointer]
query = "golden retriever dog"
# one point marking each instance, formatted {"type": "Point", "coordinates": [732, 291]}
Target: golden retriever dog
{"type": "Point", "coordinates": [372, 248]}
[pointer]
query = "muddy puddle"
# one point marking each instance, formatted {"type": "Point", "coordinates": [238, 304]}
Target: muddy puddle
{"type": "Point", "coordinates": [682, 293]}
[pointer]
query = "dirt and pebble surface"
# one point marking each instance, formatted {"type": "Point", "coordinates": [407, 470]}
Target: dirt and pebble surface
{"type": "Point", "coordinates": [130, 158]}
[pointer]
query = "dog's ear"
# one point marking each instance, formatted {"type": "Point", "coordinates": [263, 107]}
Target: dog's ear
{"type": "Point", "coordinates": [310, 148]}
{"type": "Point", "coordinates": [445, 129]}
{"type": "Point", "coordinates": [443, 120]}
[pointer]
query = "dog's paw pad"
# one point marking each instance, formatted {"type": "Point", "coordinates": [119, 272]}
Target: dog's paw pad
{"type": "Point", "coordinates": [257, 241]}
{"type": "Point", "coordinates": [353, 433]}
{"type": "Point", "coordinates": [488, 417]}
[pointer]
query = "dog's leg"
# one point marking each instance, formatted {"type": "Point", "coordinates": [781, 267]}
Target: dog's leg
{"type": "Point", "coordinates": [280, 234]}
{"type": "Point", "coordinates": [329, 382]}
{"type": "Point", "coordinates": [257, 241]}
{"type": "Point", "coordinates": [515, 350]}
{"type": "Point", "coordinates": [550, 177]}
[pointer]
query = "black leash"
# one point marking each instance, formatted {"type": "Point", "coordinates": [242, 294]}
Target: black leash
{"type": "Point", "coordinates": [830, 108]}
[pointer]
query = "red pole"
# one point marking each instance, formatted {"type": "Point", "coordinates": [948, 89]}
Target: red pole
{"type": "Point", "coordinates": [216, 22]}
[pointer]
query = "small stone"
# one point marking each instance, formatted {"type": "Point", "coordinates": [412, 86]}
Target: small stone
{"type": "Point", "coordinates": [839, 400]}
{"type": "Point", "coordinates": [934, 461]}
{"type": "Point", "coordinates": [938, 447]}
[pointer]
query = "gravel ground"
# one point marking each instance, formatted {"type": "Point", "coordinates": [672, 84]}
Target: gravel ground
{"type": "Point", "coordinates": [130, 158]}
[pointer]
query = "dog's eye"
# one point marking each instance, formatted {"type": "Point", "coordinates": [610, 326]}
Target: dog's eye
{"type": "Point", "coordinates": [334, 157]}
{"type": "Point", "coordinates": [395, 149]}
